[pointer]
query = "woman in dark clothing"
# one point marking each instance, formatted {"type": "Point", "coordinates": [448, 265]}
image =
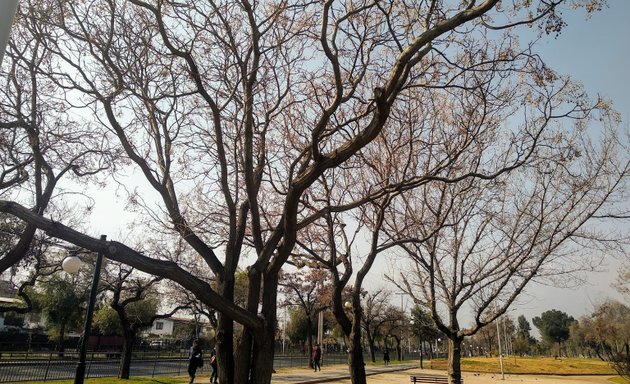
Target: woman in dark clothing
{"type": "Point", "coordinates": [317, 356]}
{"type": "Point", "coordinates": [213, 364]}
{"type": "Point", "coordinates": [194, 360]}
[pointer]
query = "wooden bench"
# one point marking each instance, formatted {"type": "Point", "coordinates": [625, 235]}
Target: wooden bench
{"type": "Point", "coordinates": [415, 379]}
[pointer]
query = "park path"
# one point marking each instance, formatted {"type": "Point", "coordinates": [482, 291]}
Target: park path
{"type": "Point", "coordinates": [399, 374]}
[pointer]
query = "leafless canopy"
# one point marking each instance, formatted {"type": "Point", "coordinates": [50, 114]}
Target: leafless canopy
{"type": "Point", "coordinates": [235, 125]}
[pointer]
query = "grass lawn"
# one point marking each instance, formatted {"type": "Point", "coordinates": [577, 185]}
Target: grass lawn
{"type": "Point", "coordinates": [536, 365]}
{"type": "Point", "coordinates": [518, 365]}
{"type": "Point", "coordinates": [134, 380]}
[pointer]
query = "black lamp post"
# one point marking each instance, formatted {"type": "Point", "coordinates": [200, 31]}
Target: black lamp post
{"type": "Point", "coordinates": [71, 265]}
{"type": "Point", "coordinates": [420, 340]}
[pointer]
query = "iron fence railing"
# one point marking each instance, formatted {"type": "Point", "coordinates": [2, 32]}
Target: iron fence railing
{"type": "Point", "coordinates": [16, 367]}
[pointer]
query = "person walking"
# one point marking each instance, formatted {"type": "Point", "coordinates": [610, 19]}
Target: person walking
{"type": "Point", "coordinates": [386, 356]}
{"type": "Point", "coordinates": [195, 360]}
{"type": "Point", "coordinates": [214, 376]}
{"type": "Point", "coordinates": [317, 355]}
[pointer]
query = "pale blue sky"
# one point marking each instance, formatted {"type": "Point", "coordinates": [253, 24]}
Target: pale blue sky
{"type": "Point", "coordinates": [597, 53]}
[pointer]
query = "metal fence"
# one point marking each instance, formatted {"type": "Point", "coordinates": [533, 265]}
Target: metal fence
{"type": "Point", "coordinates": [54, 369]}
{"type": "Point", "coordinates": [16, 367]}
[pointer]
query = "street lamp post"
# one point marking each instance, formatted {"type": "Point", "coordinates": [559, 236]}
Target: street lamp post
{"type": "Point", "coordinates": [71, 264]}
{"type": "Point", "coordinates": [500, 352]}
{"type": "Point", "coordinates": [402, 311]}
{"type": "Point", "coordinates": [420, 340]}
{"type": "Point", "coordinates": [284, 329]}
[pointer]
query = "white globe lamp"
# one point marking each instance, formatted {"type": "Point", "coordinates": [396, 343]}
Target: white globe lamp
{"type": "Point", "coordinates": [71, 264]}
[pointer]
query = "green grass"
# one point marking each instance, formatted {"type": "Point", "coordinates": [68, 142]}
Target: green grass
{"type": "Point", "coordinates": [134, 380]}
{"type": "Point", "coordinates": [530, 365]}
{"type": "Point", "coordinates": [518, 365]}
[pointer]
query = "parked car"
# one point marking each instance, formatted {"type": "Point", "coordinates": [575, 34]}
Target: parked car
{"type": "Point", "coordinates": [157, 344]}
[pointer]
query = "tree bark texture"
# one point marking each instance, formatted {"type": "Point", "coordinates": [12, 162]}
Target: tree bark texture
{"type": "Point", "coordinates": [454, 360]}
{"type": "Point", "coordinates": [125, 359]}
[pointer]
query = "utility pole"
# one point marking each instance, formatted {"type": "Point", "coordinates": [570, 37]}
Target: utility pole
{"type": "Point", "coordinates": [402, 319]}
{"type": "Point", "coordinates": [500, 354]}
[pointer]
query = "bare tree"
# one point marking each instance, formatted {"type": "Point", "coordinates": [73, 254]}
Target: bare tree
{"type": "Point", "coordinates": [376, 314]}
{"type": "Point", "coordinates": [481, 242]}
{"type": "Point", "coordinates": [308, 290]}
{"type": "Point", "coordinates": [395, 328]}
{"type": "Point", "coordinates": [234, 112]}
{"type": "Point", "coordinates": [129, 291]}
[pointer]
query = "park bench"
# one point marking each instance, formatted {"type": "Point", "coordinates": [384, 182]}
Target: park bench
{"type": "Point", "coordinates": [419, 379]}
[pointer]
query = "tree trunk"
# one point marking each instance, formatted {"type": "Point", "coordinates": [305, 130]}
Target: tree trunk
{"type": "Point", "coordinates": [309, 338]}
{"type": "Point", "coordinates": [62, 335]}
{"type": "Point", "coordinates": [454, 360]}
{"type": "Point", "coordinates": [352, 329]}
{"type": "Point", "coordinates": [225, 340]}
{"type": "Point", "coordinates": [262, 359]}
{"type": "Point", "coordinates": [355, 359]}
{"type": "Point", "coordinates": [262, 341]}
{"type": "Point", "coordinates": [125, 358]}
{"type": "Point", "coordinates": [243, 357]}
{"type": "Point", "coordinates": [372, 349]}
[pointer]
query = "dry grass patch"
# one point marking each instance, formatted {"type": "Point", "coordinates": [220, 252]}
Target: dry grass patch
{"type": "Point", "coordinates": [533, 365]}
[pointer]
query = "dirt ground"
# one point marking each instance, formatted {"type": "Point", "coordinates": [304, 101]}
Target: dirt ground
{"type": "Point", "coordinates": [482, 378]}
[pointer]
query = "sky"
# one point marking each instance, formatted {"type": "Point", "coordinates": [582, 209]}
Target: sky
{"type": "Point", "coordinates": [595, 52]}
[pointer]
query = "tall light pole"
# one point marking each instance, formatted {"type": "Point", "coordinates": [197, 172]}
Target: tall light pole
{"type": "Point", "coordinates": [71, 264]}
{"type": "Point", "coordinates": [500, 352]}
{"type": "Point", "coordinates": [284, 329]}
{"type": "Point", "coordinates": [402, 322]}
{"type": "Point", "coordinates": [320, 328]}
{"type": "Point", "coordinates": [419, 339]}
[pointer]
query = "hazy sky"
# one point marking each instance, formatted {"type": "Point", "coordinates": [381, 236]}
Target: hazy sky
{"type": "Point", "coordinates": [597, 53]}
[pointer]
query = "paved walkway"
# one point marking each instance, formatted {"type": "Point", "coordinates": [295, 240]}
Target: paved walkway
{"type": "Point", "coordinates": [399, 374]}
{"type": "Point", "coordinates": [331, 373]}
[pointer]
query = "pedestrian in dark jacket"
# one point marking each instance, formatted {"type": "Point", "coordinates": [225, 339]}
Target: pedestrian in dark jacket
{"type": "Point", "coordinates": [195, 360]}
{"type": "Point", "coordinates": [215, 368]}
{"type": "Point", "coordinates": [317, 355]}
